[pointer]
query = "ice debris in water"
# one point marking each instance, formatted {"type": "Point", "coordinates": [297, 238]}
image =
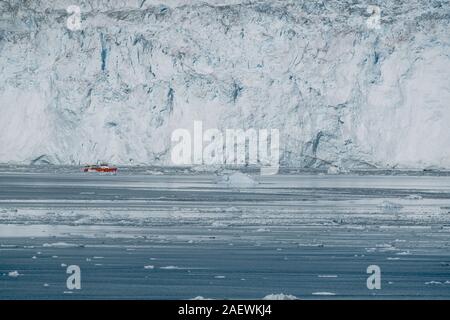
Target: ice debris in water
{"type": "Point", "coordinates": [280, 296]}
{"type": "Point", "coordinates": [237, 180]}
{"type": "Point", "coordinates": [390, 206]}
{"type": "Point", "coordinates": [414, 197]}
{"type": "Point", "coordinates": [323, 293]}
{"type": "Point", "coordinates": [201, 298]}
{"type": "Point", "coordinates": [61, 245]}
{"type": "Point", "coordinates": [14, 274]}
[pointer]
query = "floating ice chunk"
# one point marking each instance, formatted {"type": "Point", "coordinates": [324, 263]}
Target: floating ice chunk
{"type": "Point", "coordinates": [323, 293]}
{"type": "Point", "coordinates": [219, 277]}
{"type": "Point", "coordinates": [171, 268]}
{"type": "Point", "coordinates": [237, 180]}
{"type": "Point", "coordinates": [61, 245]}
{"type": "Point", "coordinates": [149, 267]}
{"type": "Point", "coordinates": [154, 172]}
{"type": "Point", "coordinates": [14, 274]}
{"type": "Point", "coordinates": [433, 282]}
{"type": "Point", "coordinates": [414, 197]}
{"type": "Point", "coordinates": [201, 298]}
{"type": "Point", "coordinates": [383, 247]}
{"type": "Point", "coordinates": [280, 296]}
{"type": "Point", "coordinates": [390, 206]}
{"type": "Point", "coordinates": [217, 224]}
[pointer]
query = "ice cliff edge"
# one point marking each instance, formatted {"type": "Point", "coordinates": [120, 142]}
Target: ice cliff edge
{"type": "Point", "coordinates": [339, 92]}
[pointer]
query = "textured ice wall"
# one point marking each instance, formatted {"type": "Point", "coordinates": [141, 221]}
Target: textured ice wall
{"type": "Point", "coordinates": [339, 92]}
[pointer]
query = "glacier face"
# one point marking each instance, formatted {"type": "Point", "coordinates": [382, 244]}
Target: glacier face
{"type": "Point", "coordinates": [340, 92]}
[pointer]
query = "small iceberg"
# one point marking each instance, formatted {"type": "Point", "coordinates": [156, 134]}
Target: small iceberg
{"type": "Point", "coordinates": [280, 296]}
{"type": "Point", "coordinates": [14, 274]}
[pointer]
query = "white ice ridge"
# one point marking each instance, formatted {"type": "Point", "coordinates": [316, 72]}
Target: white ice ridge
{"type": "Point", "coordinates": [343, 95]}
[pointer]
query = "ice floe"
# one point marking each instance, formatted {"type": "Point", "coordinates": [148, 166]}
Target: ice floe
{"type": "Point", "coordinates": [280, 296]}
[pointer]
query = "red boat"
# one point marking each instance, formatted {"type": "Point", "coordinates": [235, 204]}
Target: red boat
{"type": "Point", "coordinates": [100, 168]}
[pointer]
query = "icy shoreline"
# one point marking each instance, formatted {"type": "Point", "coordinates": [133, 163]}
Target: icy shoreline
{"type": "Point", "coordinates": [196, 170]}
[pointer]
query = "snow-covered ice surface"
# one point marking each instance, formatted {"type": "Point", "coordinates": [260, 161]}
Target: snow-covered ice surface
{"type": "Point", "coordinates": [180, 234]}
{"type": "Point", "coordinates": [342, 95]}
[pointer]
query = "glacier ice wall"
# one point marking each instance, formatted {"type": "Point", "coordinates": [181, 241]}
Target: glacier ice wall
{"type": "Point", "coordinates": [339, 92]}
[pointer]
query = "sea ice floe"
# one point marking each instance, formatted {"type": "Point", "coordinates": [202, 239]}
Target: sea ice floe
{"type": "Point", "coordinates": [14, 274]}
{"type": "Point", "coordinates": [171, 268]}
{"type": "Point", "coordinates": [60, 245]}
